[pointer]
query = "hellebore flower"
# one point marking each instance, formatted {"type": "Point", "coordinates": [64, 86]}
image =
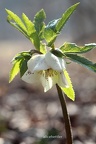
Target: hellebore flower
{"type": "Point", "coordinates": [47, 69]}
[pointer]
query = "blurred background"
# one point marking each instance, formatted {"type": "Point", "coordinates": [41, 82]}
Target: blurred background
{"type": "Point", "coordinates": [27, 115]}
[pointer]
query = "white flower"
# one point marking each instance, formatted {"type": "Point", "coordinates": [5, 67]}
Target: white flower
{"type": "Point", "coordinates": [46, 68]}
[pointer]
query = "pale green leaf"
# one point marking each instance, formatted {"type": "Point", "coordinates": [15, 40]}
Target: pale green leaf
{"type": "Point", "coordinates": [31, 31]}
{"type": "Point", "coordinates": [82, 61]}
{"type": "Point", "coordinates": [73, 48]}
{"type": "Point", "coordinates": [68, 91]}
{"type": "Point", "coordinates": [15, 21]}
{"type": "Point", "coordinates": [26, 27]}
{"type": "Point", "coordinates": [29, 24]}
{"type": "Point", "coordinates": [15, 70]}
{"type": "Point", "coordinates": [62, 21]}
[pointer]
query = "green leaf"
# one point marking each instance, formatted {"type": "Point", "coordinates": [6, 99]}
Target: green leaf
{"type": "Point", "coordinates": [31, 31]}
{"type": "Point", "coordinates": [50, 36]}
{"type": "Point", "coordinates": [82, 61]}
{"type": "Point", "coordinates": [73, 48]}
{"type": "Point", "coordinates": [35, 40]}
{"type": "Point", "coordinates": [26, 27]}
{"type": "Point", "coordinates": [50, 32]}
{"type": "Point", "coordinates": [23, 67]}
{"type": "Point", "coordinates": [43, 48]}
{"type": "Point", "coordinates": [54, 27]}
{"type": "Point", "coordinates": [68, 91]}
{"type": "Point", "coordinates": [22, 55]}
{"type": "Point", "coordinates": [62, 21]}
{"type": "Point", "coordinates": [29, 24]}
{"type": "Point", "coordinates": [39, 23]}
{"type": "Point", "coordinates": [15, 70]}
{"type": "Point", "coordinates": [19, 64]}
{"type": "Point", "coordinates": [16, 22]}
{"type": "Point", "coordinates": [57, 52]}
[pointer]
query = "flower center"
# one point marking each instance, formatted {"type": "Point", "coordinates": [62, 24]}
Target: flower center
{"type": "Point", "coordinates": [48, 73]}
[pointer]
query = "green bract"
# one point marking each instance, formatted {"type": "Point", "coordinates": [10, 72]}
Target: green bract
{"type": "Point", "coordinates": [43, 36]}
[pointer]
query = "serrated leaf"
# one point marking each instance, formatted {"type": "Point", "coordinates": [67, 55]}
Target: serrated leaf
{"type": "Point", "coordinates": [50, 32]}
{"type": "Point", "coordinates": [82, 61]}
{"type": "Point", "coordinates": [27, 28]}
{"type": "Point", "coordinates": [15, 70]}
{"type": "Point", "coordinates": [29, 24]}
{"type": "Point", "coordinates": [62, 21]}
{"type": "Point", "coordinates": [68, 91]}
{"type": "Point", "coordinates": [39, 23]}
{"type": "Point", "coordinates": [31, 31]}
{"type": "Point", "coordinates": [16, 22]}
{"type": "Point", "coordinates": [52, 25]}
{"type": "Point", "coordinates": [50, 36]}
{"type": "Point", "coordinates": [19, 64]}
{"type": "Point", "coordinates": [73, 48]}
{"type": "Point", "coordinates": [22, 55]}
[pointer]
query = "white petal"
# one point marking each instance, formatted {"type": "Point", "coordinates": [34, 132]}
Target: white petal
{"type": "Point", "coordinates": [62, 81]}
{"type": "Point", "coordinates": [56, 63]}
{"type": "Point", "coordinates": [37, 63]}
{"type": "Point", "coordinates": [30, 77]}
{"type": "Point", "coordinates": [48, 82]}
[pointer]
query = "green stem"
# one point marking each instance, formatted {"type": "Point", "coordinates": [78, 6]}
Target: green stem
{"type": "Point", "coordinates": [65, 115]}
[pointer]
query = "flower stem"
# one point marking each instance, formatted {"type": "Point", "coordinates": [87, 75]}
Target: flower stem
{"type": "Point", "coordinates": [65, 116]}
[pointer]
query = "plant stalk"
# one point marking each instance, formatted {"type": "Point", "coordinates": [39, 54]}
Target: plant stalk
{"type": "Point", "coordinates": [69, 138]}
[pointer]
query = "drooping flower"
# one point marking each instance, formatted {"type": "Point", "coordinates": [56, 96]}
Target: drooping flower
{"type": "Point", "coordinates": [48, 69]}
